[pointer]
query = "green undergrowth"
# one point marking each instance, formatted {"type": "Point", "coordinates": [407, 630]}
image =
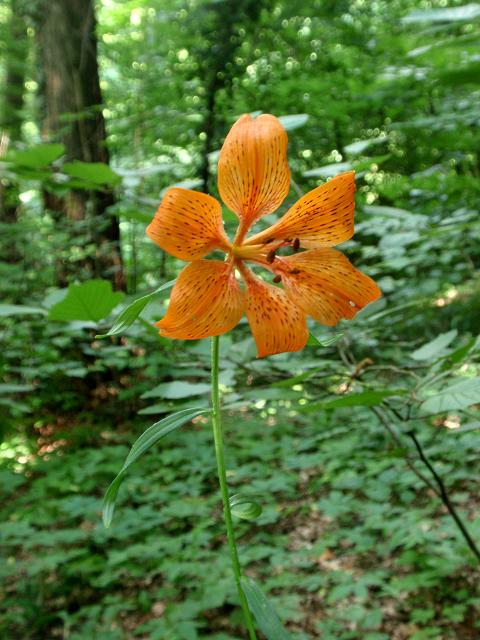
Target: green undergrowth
{"type": "Point", "coordinates": [350, 544]}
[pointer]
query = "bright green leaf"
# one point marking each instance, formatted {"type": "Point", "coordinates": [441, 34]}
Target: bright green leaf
{"type": "Point", "coordinates": [128, 315]}
{"type": "Point", "coordinates": [327, 341]}
{"type": "Point", "coordinates": [91, 301]}
{"type": "Point", "coordinates": [244, 507]}
{"type": "Point", "coordinates": [263, 611]}
{"type": "Point", "coordinates": [38, 157]}
{"type": "Point", "coordinates": [95, 173]}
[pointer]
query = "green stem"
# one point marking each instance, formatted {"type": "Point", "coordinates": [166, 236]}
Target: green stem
{"type": "Point", "coordinates": [222, 476]}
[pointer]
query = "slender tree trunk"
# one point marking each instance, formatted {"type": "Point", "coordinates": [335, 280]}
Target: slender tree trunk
{"type": "Point", "coordinates": [218, 63]}
{"type": "Point", "coordinates": [73, 116]}
{"type": "Point", "coordinates": [11, 119]}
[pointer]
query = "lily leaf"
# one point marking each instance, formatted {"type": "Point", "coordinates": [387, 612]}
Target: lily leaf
{"type": "Point", "coordinates": [128, 315]}
{"type": "Point", "coordinates": [148, 438]}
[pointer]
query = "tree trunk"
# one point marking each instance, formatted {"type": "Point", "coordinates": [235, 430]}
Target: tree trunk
{"type": "Point", "coordinates": [11, 118]}
{"type": "Point", "coordinates": [218, 63]}
{"type": "Point", "coordinates": [73, 116]}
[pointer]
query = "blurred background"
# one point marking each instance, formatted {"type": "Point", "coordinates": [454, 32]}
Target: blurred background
{"type": "Point", "coordinates": [104, 105]}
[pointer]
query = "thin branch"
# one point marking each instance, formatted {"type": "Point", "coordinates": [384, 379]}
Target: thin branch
{"type": "Point", "coordinates": [408, 458]}
{"type": "Point", "coordinates": [444, 495]}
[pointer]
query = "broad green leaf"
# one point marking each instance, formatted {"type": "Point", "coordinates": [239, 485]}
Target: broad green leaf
{"type": "Point", "coordinates": [457, 396]}
{"type": "Point", "coordinates": [436, 347]}
{"type": "Point", "coordinates": [366, 399]}
{"type": "Point", "coordinates": [244, 507]}
{"type": "Point", "coordinates": [265, 615]}
{"type": "Point", "coordinates": [148, 438]}
{"type": "Point", "coordinates": [293, 121]}
{"type": "Point", "coordinates": [128, 315]}
{"type": "Point", "coordinates": [444, 14]}
{"type": "Point", "coordinates": [37, 157]}
{"type": "Point", "coordinates": [177, 389]}
{"type": "Point", "coordinates": [328, 170]}
{"type": "Point", "coordinates": [20, 310]}
{"type": "Point", "coordinates": [91, 301]}
{"type": "Point", "coordinates": [94, 173]}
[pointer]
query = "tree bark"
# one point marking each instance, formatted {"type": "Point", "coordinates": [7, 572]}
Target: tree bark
{"type": "Point", "coordinates": [73, 115]}
{"type": "Point", "coordinates": [218, 63]}
{"type": "Point", "coordinates": [11, 119]}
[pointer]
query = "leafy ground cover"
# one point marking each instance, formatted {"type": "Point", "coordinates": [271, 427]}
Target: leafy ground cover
{"type": "Point", "coordinates": [350, 542]}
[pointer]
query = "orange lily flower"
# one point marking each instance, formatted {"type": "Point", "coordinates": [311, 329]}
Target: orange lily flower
{"type": "Point", "coordinates": [253, 180]}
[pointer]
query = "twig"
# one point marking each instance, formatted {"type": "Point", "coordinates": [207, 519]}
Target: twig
{"type": "Point", "coordinates": [408, 457]}
{"type": "Point", "coordinates": [444, 495]}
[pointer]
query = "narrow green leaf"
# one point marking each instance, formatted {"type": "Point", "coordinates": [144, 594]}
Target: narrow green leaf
{"type": "Point", "coordinates": [244, 507]}
{"type": "Point", "coordinates": [436, 347]}
{"type": "Point", "coordinates": [128, 315]}
{"type": "Point", "coordinates": [91, 301]}
{"type": "Point", "coordinates": [328, 170]}
{"type": "Point", "coordinates": [148, 438]}
{"type": "Point", "coordinates": [301, 377]}
{"type": "Point", "coordinates": [365, 399]}
{"type": "Point", "coordinates": [443, 14]}
{"type": "Point", "coordinates": [263, 611]}
{"type": "Point", "coordinates": [177, 389]}
{"type": "Point", "coordinates": [15, 388]}
{"type": "Point", "coordinates": [293, 121]}
{"type": "Point", "coordinates": [324, 342]}
{"type": "Point", "coordinates": [20, 310]}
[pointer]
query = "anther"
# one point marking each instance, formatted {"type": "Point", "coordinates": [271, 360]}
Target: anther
{"type": "Point", "coordinates": [271, 256]}
{"type": "Point", "coordinates": [277, 279]}
{"type": "Point", "coordinates": [295, 271]}
{"type": "Point", "coordinates": [296, 244]}
{"type": "Point", "coordinates": [269, 240]}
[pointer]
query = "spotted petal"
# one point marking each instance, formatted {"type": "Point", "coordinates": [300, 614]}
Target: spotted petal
{"type": "Point", "coordinates": [325, 284]}
{"type": "Point", "coordinates": [253, 173]}
{"type": "Point", "coordinates": [277, 324]}
{"type": "Point", "coordinates": [188, 224]}
{"type": "Point", "coordinates": [321, 218]}
{"type": "Point", "coordinates": [206, 301]}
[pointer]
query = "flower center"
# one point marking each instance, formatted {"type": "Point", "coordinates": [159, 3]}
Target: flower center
{"type": "Point", "coordinates": [248, 252]}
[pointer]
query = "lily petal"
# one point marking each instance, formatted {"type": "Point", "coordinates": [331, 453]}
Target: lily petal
{"type": "Point", "coordinates": [325, 284]}
{"type": "Point", "coordinates": [277, 324]}
{"type": "Point", "coordinates": [206, 301]}
{"type": "Point", "coordinates": [253, 173]}
{"type": "Point", "coordinates": [321, 218]}
{"type": "Point", "coordinates": [188, 224]}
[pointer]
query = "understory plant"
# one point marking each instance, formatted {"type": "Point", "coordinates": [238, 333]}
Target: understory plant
{"type": "Point", "coordinates": [277, 277]}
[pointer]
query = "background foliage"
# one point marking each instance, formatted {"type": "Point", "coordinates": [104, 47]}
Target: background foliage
{"type": "Point", "coordinates": [353, 540]}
